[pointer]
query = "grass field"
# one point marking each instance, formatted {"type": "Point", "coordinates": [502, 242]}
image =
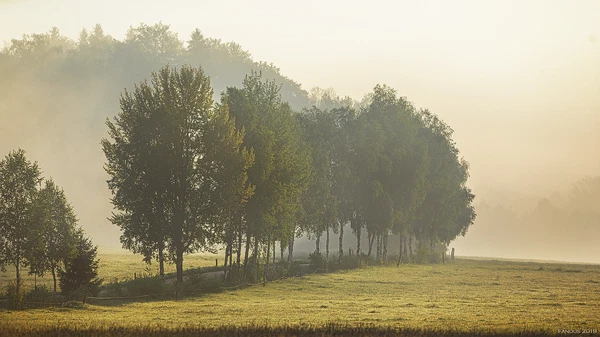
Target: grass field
{"type": "Point", "coordinates": [462, 297]}
{"type": "Point", "coordinates": [117, 266]}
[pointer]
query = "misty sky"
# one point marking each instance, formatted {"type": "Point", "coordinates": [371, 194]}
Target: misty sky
{"type": "Point", "coordinates": [518, 81]}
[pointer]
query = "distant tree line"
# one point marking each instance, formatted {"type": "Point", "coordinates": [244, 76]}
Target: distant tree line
{"type": "Point", "coordinates": [38, 229]}
{"type": "Point", "coordinates": [248, 172]}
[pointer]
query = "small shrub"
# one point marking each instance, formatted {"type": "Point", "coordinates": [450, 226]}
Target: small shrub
{"type": "Point", "coordinates": [14, 301]}
{"type": "Point", "coordinates": [146, 286]}
{"type": "Point", "coordinates": [366, 260]}
{"type": "Point", "coordinates": [348, 262]}
{"type": "Point", "coordinates": [317, 261]}
{"type": "Point", "coordinates": [39, 297]}
{"type": "Point", "coordinates": [73, 305]}
{"type": "Point", "coordinates": [294, 269]}
{"type": "Point", "coordinates": [202, 284]}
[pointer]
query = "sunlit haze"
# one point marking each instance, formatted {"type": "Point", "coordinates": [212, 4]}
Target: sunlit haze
{"type": "Point", "coordinates": [518, 81]}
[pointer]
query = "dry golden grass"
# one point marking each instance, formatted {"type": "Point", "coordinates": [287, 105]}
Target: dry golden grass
{"type": "Point", "coordinates": [465, 295]}
{"type": "Point", "coordinates": [119, 265]}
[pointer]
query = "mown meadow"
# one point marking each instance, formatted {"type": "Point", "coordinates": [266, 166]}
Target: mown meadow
{"type": "Point", "coordinates": [461, 297]}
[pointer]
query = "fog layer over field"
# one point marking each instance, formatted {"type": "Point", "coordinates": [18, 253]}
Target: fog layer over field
{"type": "Point", "coordinates": [519, 84]}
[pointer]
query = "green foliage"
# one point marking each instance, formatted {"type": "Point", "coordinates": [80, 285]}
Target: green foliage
{"type": "Point", "coordinates": [79, 277]}
{"type": "Point", "coordinates": [57, 233]}
{"type": "Point", "coordinates": [147, 286]}
{"type": "Point", "coordinates": [38, 297]}
{"type": "Point", "coordinates": [317, 261]}
{"type": "Point", "coordinates": [15, 295]}
{"type": "Point", "coordinates": [19, 230]}
{"type": "Point", "coordinates": [202, 284]}
{"type": "Point", "coordinates": [347, 262]}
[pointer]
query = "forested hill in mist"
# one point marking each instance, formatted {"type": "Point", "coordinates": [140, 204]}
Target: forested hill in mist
{"type": "Point", "coordinates": [56, 93]}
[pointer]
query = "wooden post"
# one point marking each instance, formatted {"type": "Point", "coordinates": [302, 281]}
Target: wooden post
{"type": "Point", "coordinates": [452, 254]}
{"type": "Point", "coordinates": [216, 262]}
{"type": "Point", "coordinates": [135, 276]}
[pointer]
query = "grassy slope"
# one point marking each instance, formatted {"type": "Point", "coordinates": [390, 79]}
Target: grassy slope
{"type": "Point", "coordinates": [492, 296]}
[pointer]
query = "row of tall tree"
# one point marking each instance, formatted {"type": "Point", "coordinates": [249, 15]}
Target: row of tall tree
{"type": "Point", "coordinates": [38, 228]}
{"type": "Point", "coordinates": [249, 172]}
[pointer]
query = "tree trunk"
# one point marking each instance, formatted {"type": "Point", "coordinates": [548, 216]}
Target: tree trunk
{"type": "Point", "coordinates": [327, 251]}
{"type": "Point", "coordinates": [53, 269]}
{"type": "Point", "coordinates": [161, 261]}
{"type": "Point", "coordinates": [378, 258]}
{"type": "Point", "coordinates": [358, 234]}
{"type": "Point", "coordinates": [274, 253]}
{"type": "Point", "coordinates": [281, 249]}
{"type": "Point", "coordinates": [179, 267]}
{"type": "Point", "coordinates": [385, 242]}
{"type": "Point", "coordinates": [256, 257]}
{"type": "Point", "coordinates": [239, 247]}
{"type": "Point", "coordinates": [18, 286]}
{"type": "Point", "coordinates": [369, 243]}
{"type": "Point", "coordinates": [291, 248]}
{"type": "Point", "coordinates": [227, 243]}
{"type": "Point", "coordinates": [399, 248]}
{"type": "Point", "coordinates": [410, 250]}
{"type": "Point", "coordinates": [404, 247]}
{"type": "Point", "coordinates": [248, 240]}
{"type": "Point", "coordinates": [266, 273]}
{"type": "Point", "coordinates": [318, 244]}
{"type": "Point", "coordinates": [341, 253]}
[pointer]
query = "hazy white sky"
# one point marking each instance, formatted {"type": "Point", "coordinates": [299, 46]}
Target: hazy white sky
{"type": "Point", "coordinates": [519, 81]}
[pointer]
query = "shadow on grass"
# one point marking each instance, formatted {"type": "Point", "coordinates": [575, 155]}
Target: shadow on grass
{"type": "Point", "coordinates": [331, 329]}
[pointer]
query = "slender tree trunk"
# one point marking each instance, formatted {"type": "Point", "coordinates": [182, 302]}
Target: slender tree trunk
{"type": "Point", "coordinates": [178, 242]}
{"type": "Point", "coordinates": [341, 252]}
{"type": "Point", "coordinates": [400, 238]}
{"type": "Point", "coordinates": [274, 253]}
{"type": "Point", "coordinates": [291, 248]}
{"type": "Point", "coordinates": [246, 254]}
{"type": "Point", "coordinates": [327, 251]}
{"type": "Point", "coordinates": [53, 269]}
{"type": "Point", "coordinates": [161, 261]}
{"type": "Point", "coordinates": [410, 250]}
{"type": "Point", "coordinates": [18, 286]}
{"type": "Point", "coordinates": [378, 249]}
{"type": "Point", "coordinates": [256, 256]}
{"type": "Point", "coordinates": [318, 244]}
{"type": "Point", "coordinates": [179, 267]}
{"type": "Point", "coordinates": [385, 242]}
{"type": "Point", "coordinates": [358, 238]}
{"type": "Point", "coordinates": [404, 247]}
{"type": "Point", "coordinates": [281, 249]}
{"type": "Point", "coordinates": [227, 243]}
{"type": "Point", "coordinates": [266, 273]}
{"type": "Point", "coordinates": [239, 247]}
{"type": "Point", "coordinates": [369, 242]}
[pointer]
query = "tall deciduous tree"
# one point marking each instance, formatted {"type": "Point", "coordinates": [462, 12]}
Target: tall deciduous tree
{"type": "Point", "coordinates": [57, 228]}
{"type": "Point", "coordinates": [227, 163]}
{"type": "Point", "coordinates": [166, 174]}
{"type": "Point", "coordinates": [19, 179]}
{"type": "Point", "coordinates": [281, 165]}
